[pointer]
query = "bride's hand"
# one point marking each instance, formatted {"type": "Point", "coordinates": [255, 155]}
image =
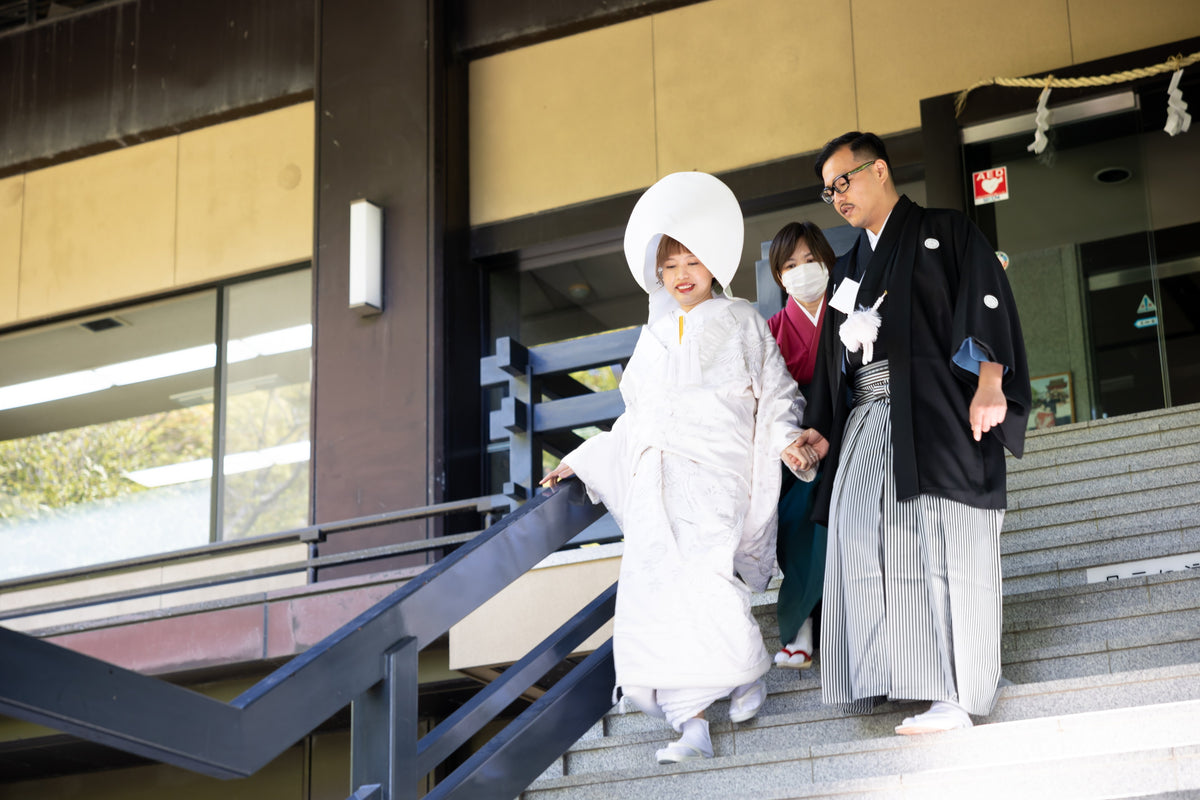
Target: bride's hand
{"type": "Point", "coordinates": [557, 474]}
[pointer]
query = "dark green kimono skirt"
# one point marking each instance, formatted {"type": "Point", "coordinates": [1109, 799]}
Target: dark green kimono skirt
{"type": "Point", "coordinates": [801, 551]}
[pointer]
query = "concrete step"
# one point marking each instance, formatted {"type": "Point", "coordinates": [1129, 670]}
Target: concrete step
{"type": "Point", "coordinates": [1129, 536]}
{"type": "Point", "coordinates": [1102, 493]}
{"type": "Point", "coordinates": [1077, 659]}
{"type": "Point", "coordinates": [1101, 439]}
{"type": "Point", "coordinates": [1132, 598]}
{"type": "Point", "coordinates": [1084, 532]}
{"type": "Point", "coordinates": [1139, 721]}
{"type": "Point", "coordinates": [1169, 773]}
{"type": "Point", "coordinates": [1102, 628]}
{"type": "Point", "coordinates": [1086, 629]}
{"type": "Point", "coordinates": [1060, 555]}
{"type": "Point", "coordinates": [1106, 675]}
{"type": "Point", "coordinates": [1053, 494]}
{"type": "Point", "coordinates": [628, 740]}
{"type": "Point", "coordinates": [1143, 493]}
{"type": "Point", "coordinates": [1024, 474]}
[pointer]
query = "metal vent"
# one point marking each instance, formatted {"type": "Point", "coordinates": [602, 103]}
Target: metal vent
{"type": "Point", "coordinates": [103, 324]}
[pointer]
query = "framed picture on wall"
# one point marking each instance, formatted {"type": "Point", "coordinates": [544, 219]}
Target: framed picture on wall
{"type": "Point", "coordinates": [1053, 401]}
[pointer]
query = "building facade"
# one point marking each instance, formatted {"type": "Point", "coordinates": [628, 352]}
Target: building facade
{"type": "Point", "coordinates": [188, 393]}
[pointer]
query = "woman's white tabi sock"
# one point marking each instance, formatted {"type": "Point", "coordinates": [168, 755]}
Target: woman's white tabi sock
{"type": "Point", "coordinates": [695, 734]}
{"type": "Point", "coordinates": [746, 700]}
{"type": "Point", "coordinates": [694, 744]}
{"type": "Point", "coordinates": [804, 638]}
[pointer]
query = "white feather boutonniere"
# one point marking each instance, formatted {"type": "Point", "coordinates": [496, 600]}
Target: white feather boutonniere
{"type": "Point", "coordinates": [861, 329]}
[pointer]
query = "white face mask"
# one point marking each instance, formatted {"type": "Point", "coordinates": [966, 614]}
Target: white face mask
{"type": "Point", "coordinates": [806, 282]}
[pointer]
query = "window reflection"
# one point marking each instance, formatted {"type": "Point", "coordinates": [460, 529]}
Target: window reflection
{"type": "Point", "coordinates": [107, 428]}
{"type": "Point", "coordinates": [66, 498]}
{"type": "Point", "coordinates": [267, 411]}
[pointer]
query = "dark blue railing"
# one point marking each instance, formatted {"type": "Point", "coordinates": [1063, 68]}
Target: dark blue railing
{"type": "Point", "coordinates": [370, 664]}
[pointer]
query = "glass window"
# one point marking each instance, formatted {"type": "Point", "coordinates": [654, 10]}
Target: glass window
{"type": "Point", "coordinates": [1101, 236]}
{"type": "Point", "coordinates": [267, 416]}
{"type": "Point", "coordinates": [97, 419]}
{"type": "Point", "coordinates": [107, 427]}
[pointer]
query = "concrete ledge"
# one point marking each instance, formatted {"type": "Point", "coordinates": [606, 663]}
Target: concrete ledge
{"type": "Point", "coordinates": [231, 633]}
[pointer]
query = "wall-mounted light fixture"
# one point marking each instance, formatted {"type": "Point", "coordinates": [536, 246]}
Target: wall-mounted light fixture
{"type": "Point", "coordinates": [366, 257]}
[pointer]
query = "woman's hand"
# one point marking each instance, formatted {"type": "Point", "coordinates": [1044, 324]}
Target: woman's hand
{"type": "Point", "coordinates": [555, 475]}
{"type": "Point", "coordinates": [807, 451]}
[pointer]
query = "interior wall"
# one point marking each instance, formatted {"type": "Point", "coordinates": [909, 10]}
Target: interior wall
{"type": "Point", "coordinates": [1046, 285]}
{"type": "Point", "coordinates": [739, 82]}
{"type": "Point", "coordinates": [173, 212]}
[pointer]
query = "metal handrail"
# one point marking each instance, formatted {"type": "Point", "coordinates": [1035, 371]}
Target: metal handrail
{"type": "Point", "coordinates": [370, 662]}
{"type": "Point", "coordinates": [489, 506]}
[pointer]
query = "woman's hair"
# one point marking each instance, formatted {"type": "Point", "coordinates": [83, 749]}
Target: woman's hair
{"type": "Point", "coordinates": [668, 247]}
{"type": "Point", "coordinates": [789, 237]}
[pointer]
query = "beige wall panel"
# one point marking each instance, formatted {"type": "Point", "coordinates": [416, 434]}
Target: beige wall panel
{"type": "Point", "coordinates": [562, 122]}
{"type": "Point", "coordinates": [246, 195]}
{"type": "Point", "coordinates": [902, 56]}
{"type": "Point", "coordinates": [531, 608]}
{"type": "Point", "coordinates": [81, 588]}
{"type": "Point", "coordinates": [734, 87]}
{"type": "Point", "coordinates": [99, 229]}
{"type": "Point", "coordinates": [1103, 28]}
{"type": "Point", "coordinates": [290, 553]}
{"type": "Point", "coordinates": [12, 195]}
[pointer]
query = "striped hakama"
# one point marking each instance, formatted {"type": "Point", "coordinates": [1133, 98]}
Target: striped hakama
{"type": "Point", "coordinates": [912, 602]}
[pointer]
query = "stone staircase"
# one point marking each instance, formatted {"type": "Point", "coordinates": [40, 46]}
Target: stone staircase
{"type": "Point", "coordinates": [1104, 698]}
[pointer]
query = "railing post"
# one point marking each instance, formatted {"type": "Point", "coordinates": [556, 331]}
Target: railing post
{"type": "Point", "coordinates": [383, 729]}
{"type": "Point", "coordinates": [524, 454]}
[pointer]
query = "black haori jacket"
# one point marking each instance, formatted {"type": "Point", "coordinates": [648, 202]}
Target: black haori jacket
{"type": "Point", "coordinates": [944, 285]}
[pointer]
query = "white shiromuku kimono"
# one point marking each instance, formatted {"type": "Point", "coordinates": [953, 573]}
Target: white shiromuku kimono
{"type": "Point", "coordinates": [691, 474]}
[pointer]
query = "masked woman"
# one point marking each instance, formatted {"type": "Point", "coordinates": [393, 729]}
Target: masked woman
{"type": "Point", "coordinates": [799, 259]}
{"type": "Point", "coordinates": [690, 471]}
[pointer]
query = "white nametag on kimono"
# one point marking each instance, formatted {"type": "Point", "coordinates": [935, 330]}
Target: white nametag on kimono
{"type": "Point", "coordinates": [843, 299]}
